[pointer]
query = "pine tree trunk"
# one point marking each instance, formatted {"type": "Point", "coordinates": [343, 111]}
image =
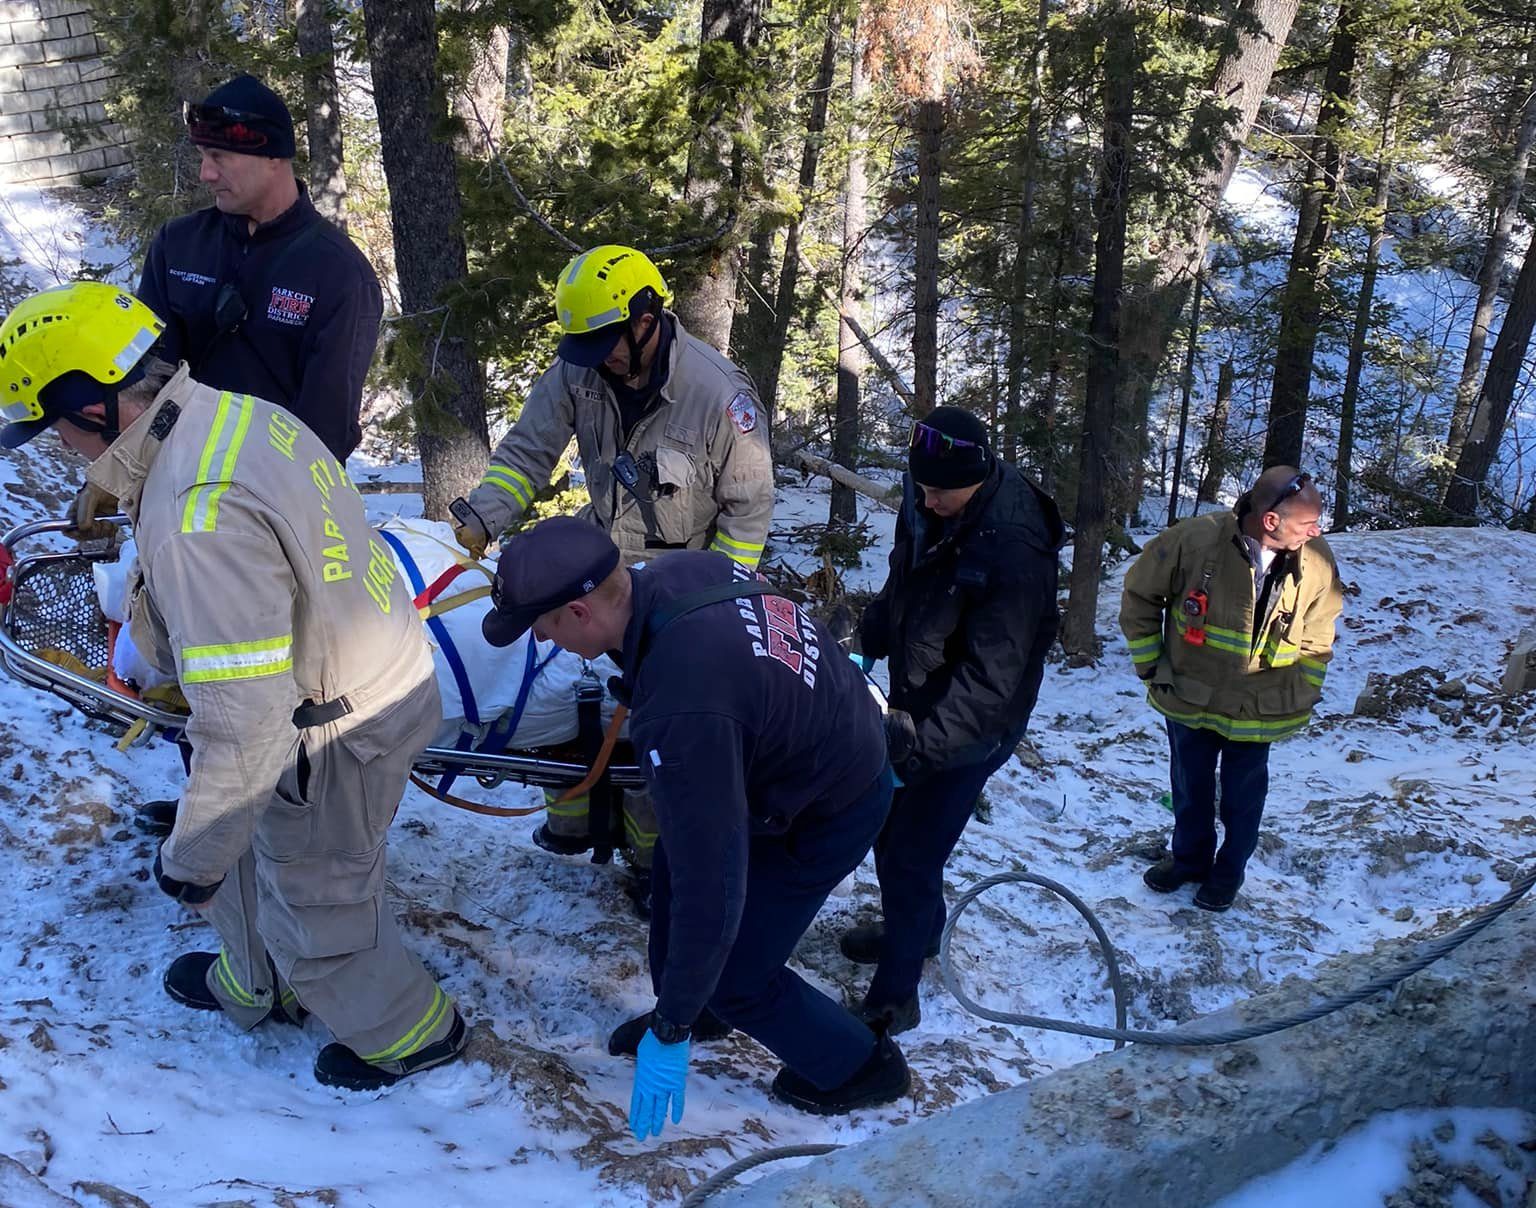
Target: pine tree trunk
{"type": "Point", "coordinates": [1216, 439]}
{"type": "Point", "coordinates": [1506, 212]}
{"type": "Point", "coordinates": [1189, 383]}
{"type": "Point", "coordinates": [322, 108]}
{"type": "Point", "coordinates": [722, 119]}
{"type": "Point", "coordinates": [842, 507]}
{"type": "Point", "coordinates": [929, 121]}
{"type": "Point", "coordinates": [1486, 428]}
{"type": "Point", "coordinates": [482, 103]}
{"type": "Point", "coordinates": [1103, 357]}
{"type": "Point", "coordinates": [1018, 313]}
{"type": "Point", "coordinates": [752, 328]}
{"type": "Point", "coordinates": [1251, 46]}
{"type": "Point", "coordinates": [784, 308]}
{"type": "Point", "coordinates": [448, 391]}
{"type": "Point", "coordinates": [1376, 226]}
{"type": "Point", "coordinates": [1301, 303]}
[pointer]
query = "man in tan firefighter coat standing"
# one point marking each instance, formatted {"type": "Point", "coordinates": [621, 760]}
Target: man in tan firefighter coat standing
{"type": "Point", "coordinates": [672, 439]}
{"type": "Point", "coordinates": [301, 656]}
{"type": "Point", "coordinates": [1230, 621]}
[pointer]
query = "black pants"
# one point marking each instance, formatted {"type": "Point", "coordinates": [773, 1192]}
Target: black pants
{"type": "Point", "coordinates": [927, 820]}
{"type": "Point", "coordinates": [788, 878]}
{"type": "Point", "coordinates": [1194, 756]}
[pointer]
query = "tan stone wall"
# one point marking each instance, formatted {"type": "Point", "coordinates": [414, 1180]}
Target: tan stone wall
{"type": "Point", "coordinates": [51, 75]}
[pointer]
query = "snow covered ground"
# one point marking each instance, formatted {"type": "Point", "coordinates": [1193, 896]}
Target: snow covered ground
{"type": "Point", "coordinates": [1378, 827]}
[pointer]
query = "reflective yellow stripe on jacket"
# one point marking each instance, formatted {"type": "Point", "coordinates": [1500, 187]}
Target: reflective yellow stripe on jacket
{"type": "Point", "coordinates": [745, 552]}
{"type": "Point", "coordinates": [236, 660]}
{"type": "Point", "coordinates": [513, 482]}
{"type": "Point", "coordinates": [216, 467]}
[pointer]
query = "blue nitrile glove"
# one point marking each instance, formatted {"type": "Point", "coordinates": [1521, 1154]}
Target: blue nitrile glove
{"type": "Point", "coordinates": [661, 1071]}
{"type": "Point", "coordinates": [866, 664]}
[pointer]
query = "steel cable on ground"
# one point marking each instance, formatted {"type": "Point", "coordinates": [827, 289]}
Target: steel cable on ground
{"type": "Point", "coordinates": [1180, 1037]}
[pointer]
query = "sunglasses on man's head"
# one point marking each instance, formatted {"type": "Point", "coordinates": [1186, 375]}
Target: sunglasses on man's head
{"type": "Point", "coordinates": [929, 440]}
{"type": "Point", "coordinates": [218, 124]}
{"type": "Point", "coordinates": [1293, 487]}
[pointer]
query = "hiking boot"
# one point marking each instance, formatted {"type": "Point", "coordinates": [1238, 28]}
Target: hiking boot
{"type": "Point", "coordinates": [1168, 874]}
{"type": "Point", "coordinates": [892, 1018]}
{"type": "Point", "coordinates": [561, 845]}
{"type": "Point", "coordinates": [338, 1065]}
{"type": "Point", "coordinates": [155, 818]}
{"type": "Point", "coordinates": [186, 981]}
{"type": "Point", "coordinates": [865, 944]}
{"type": "Point", "coordinates": [1211, 896]}
{"type": "Point", "coordinates": [626, 1038]}
{"type": "Point", "coordinates": [881, 1079]}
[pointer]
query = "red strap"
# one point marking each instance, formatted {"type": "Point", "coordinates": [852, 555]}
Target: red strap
{"type": "Point", "coordinates": [437, 586]}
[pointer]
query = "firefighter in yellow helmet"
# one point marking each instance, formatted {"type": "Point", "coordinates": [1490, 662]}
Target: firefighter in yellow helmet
{"type": "Point", "coordinates": [672, 439]}
{"type": "Point", "coordinates": [302, 658]}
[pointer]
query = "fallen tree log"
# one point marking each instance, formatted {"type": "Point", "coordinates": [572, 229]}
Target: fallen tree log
{"type": "Point", "coordinates": [876, 492]}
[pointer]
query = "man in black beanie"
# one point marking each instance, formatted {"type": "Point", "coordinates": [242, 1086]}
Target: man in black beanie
{"type": "Point", "coordinates": [966, 616]}
{"type": "Point", "coordinates": [259, 293]}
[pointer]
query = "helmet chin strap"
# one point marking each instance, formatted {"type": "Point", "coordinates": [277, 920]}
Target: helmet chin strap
{"type": "Point", "coordinates": [636, 346]}
{"type": "Point", "coordinates": [106, 428]}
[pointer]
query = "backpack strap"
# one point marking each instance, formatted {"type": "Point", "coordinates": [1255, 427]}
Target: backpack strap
{"type": "Point", "coordinates": [663, 615]}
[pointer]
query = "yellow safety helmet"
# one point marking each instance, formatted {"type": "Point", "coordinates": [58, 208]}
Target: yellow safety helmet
{"type": "Point", "coordinates": [598, 293]}
{"type": "Point", "coordinates": [66, 348]}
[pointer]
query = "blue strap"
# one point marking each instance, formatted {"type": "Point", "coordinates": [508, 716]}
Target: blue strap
{"type": "Point", "coordinates": [445, 643]}
{"type": "Point", "coordinates": [502, 731]}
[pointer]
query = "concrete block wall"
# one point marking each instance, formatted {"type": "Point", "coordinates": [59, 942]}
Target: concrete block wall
{"type": "Point", "coordinates": [51, 75]}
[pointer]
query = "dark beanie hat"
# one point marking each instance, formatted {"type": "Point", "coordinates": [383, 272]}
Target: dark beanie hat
{"type": "Point", "coordinates": [949, 449]}
{"type": "Point", "coordinates": [263, 126]}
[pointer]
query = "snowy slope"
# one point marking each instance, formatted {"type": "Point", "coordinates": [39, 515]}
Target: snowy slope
{"type": "Point", "coordinates": [1376, 829]}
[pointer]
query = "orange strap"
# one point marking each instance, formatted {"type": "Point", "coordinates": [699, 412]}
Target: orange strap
{"type": "Point", "coordinates": [604, 754]}
{"type": "Point", "coordinates": [599, 766]}
{"type": "Point", "coordinates": [474, 807]}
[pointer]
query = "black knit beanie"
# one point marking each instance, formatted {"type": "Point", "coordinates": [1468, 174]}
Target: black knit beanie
{"type": "Point", "coordinates": [268, 117]}
{"type": "Point", "coordinates": [962, 460]}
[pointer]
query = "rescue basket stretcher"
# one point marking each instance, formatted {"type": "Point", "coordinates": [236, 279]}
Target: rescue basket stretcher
{"type": "Point", "coordinates": [54, 636]}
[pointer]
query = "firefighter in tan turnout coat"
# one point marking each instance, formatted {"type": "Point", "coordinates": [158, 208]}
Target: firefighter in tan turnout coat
{"type": "Point", "coordinates": [1230, 621]}
{"type": "Point", "coordinates": [673, 443]}
{"type": "Point", "coordinates": [304, 663]}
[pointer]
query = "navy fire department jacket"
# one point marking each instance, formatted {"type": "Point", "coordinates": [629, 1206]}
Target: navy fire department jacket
{"type": "Point", "coordinates": [312, 308]}
{"type": "Point", "coordinates": [747, 716]}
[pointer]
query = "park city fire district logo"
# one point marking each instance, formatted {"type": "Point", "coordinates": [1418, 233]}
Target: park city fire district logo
{"type": "Point", "coordinates": [288, 306]}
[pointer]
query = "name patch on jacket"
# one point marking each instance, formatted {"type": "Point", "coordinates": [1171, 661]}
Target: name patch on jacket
{"type": "Point", "coordinates": [187, 275]}
{"type": "Point", "coordinates": [290, 307]}
{"type": "Point", "coordinates": [743, 409]}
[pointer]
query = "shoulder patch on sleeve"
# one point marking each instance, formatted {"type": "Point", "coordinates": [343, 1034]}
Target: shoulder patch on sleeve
{"type": "Point", "coordinates": [743, 409]}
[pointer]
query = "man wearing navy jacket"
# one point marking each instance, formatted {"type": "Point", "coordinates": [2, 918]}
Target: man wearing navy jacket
{"type": "Point", "coordinates": [259, 293]}
{"type": "Point", "coordinates": [765, 756]}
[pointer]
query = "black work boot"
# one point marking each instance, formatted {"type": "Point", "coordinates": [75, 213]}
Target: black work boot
{"type": "Point", "coordinates": [560, 845]}
{"type": "Point", "coordinates": [186, 981]}
{"type": "Point", "coordinates": [865, 944]}
{"type": "Point", "coordinates": [1212, 896]}
{"type": "Point", "coordinates": [155, 817]}
{"type": "Point", "coordinates": [892, 1018]}
{"type": "Point", "coordinates": [338, 1065]}
{"type": "Point", "coordinates": [626, 1038]}
{"type": "Point", "coordinates": [1168, 874]}
{"type": "Point", "coordinates": [881, 1079]}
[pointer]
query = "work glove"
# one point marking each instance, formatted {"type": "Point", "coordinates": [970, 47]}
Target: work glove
{"type": "Point", "coordinates": [900, 737]}
{"type": "Point", "coordinates": [91, 503]}
{"type": "Point", "coordinates": [661, 1070]}
{"type": "Point", "coordinates": [472, 536]}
